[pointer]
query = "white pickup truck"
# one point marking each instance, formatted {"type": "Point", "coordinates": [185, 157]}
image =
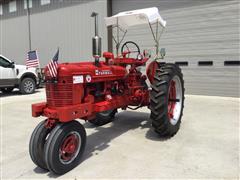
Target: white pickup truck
{"type": "Point", "coordinates": [17, 76]}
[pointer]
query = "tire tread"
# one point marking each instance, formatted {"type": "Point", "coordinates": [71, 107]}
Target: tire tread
{"type": "Point", "coordinates": [158, 100]}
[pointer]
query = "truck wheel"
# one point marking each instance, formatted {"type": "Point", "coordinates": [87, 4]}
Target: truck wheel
{"type": "Point", "coordinates": [104, 117]}
{"type": "Point", "coordinates": [167, 100]}
{"type": "Point", "coordinates": [27, 86]}
{"type": "Point", "coordinates": [64, 147]}
{"type": "Point", "coordinates": [36, 145]}
{"type": "Point", "coordinates": [7, 90]}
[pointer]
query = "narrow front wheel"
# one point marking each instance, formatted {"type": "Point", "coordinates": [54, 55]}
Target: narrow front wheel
{"type": "Point", "coordinates": [36, 145]}
{"type": "Point", "coordinates": [64, 147]}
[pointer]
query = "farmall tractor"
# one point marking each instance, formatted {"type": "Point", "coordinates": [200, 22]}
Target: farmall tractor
{"type": "Point", "coordinates": [93, 91]}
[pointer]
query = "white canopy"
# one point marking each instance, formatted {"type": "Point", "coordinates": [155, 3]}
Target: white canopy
{"type": "Point", "coordinates": [135, 17]}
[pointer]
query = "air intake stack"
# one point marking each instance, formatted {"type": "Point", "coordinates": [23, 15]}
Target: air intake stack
{"type": "Point", "coordinates": [96, 41]}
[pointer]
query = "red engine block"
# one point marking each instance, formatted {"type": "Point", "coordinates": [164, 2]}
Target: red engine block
{"type": "Point", "coordinates": [84, 89]}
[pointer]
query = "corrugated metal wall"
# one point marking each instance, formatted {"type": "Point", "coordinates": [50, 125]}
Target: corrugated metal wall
{"type": "Point", "coordinates": [67, 26]}
{"type": "Point", "coordinates": [14, 38]}
{"type": "Point", "coordinates": [196, 31]}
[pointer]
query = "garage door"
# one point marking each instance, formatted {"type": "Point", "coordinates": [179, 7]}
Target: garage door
{"type": "Point", "coordinates": [201, 36]}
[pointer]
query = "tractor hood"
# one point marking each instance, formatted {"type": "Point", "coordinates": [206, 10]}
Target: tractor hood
{"type": "Point", "coordinates": [87, 72]}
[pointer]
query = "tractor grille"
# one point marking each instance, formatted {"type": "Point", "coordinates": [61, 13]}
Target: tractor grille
{"type": "Point", "coordinates": [61, 93]}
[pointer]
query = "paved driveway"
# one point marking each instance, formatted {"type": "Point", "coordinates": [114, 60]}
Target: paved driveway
{"type": "Point", "coordinates": [207, 145]}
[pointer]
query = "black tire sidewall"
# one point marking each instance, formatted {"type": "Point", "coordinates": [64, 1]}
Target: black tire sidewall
{"type": "Point", "coordinates": [164, 76]}
{"type": "Point", "coordinates": [51, 149]}
{"type": "Point", "coordinates": [36, 145]}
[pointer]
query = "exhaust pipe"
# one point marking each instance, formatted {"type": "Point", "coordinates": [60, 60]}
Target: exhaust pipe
{"type": "Point", "coordinates": [96, 41]}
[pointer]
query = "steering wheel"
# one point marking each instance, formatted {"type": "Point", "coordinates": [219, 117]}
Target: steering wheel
{"type": "Point", "coordinates": [127, 46]}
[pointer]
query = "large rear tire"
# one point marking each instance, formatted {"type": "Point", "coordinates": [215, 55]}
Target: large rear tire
{"type": "Point", "coordinates": [36, 145]}
{"type": "Point", "coordinates": [167, 100]}
{"type": "Point", "coordinates": [64, 147]}
{"type": "Point", "coordinates": [104, 117]}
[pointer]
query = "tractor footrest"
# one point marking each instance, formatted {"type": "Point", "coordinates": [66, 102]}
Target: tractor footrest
{"type": "Point", "coordinates": [116, 102]}
{"type": "Point", "coordinates": [102, 106]}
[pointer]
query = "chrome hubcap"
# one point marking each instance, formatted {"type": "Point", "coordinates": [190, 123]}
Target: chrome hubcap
{"type": "Point", "coordinates": [28, 86]}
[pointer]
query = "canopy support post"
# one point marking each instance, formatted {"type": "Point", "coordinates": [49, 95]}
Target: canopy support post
{"type": "Point", "coordinates": [157, 42]}
{"type": "Point", "coordinates": [117, 45]}
{"type": "Point", "coordinates": [117, 40]}
{"type": "Point", "coordinates": [156, 37]}
{"type": "Point", "coordinates": [125, 32]}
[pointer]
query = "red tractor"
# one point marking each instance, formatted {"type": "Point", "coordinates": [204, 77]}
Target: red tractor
{"type": "Point", "coordinates": [93, 91]}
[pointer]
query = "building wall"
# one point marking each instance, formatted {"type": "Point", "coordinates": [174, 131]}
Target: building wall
{"type": "Point", "coordinates": [63, 24]}
{"type": "Point", "coordinates": [196, 31]}
{"type": "Point", "coordinates": [14, 38]}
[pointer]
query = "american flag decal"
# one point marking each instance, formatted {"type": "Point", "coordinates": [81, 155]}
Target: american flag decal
{"type": "Point", "coordinates": [53, 65]}
{"type": "Point", "coordinates": [32, 60]}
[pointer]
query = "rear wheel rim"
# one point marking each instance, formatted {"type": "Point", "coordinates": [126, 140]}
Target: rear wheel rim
{"type": "Point", "coordinates": [175, 97]}
{"type": "Point", "coordinates": [70, 147]}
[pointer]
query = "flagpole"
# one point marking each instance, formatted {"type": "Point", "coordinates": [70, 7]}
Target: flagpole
{"type": "Point", "coordinates": [29, 26]}
{"type": "Point", "coordinates": [38, 59]}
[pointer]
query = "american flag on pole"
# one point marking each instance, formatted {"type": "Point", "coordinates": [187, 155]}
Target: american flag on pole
{"type": "Point", "coordinates": [32, 59]}
{"type": "Point", "coordinates": [53, 65]}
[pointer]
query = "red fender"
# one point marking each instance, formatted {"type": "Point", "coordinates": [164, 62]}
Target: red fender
{"type": "Point", "coordinates": [151, 70]}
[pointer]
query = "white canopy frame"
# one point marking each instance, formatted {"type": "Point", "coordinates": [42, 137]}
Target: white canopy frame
{"type": "Point", "coordinates": [123, 20]}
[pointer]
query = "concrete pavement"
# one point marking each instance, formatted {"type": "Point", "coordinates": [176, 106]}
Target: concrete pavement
{"type": "Point", "coordinates": [206, 146]}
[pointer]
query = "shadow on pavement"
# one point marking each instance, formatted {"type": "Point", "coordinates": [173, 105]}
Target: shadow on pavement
{"type": "Point", "coordinates": [16, 93]}
{"type": "Point", "coordinates": [39, 170]}
{"type": "Point", "coordinates": [124, 122]}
